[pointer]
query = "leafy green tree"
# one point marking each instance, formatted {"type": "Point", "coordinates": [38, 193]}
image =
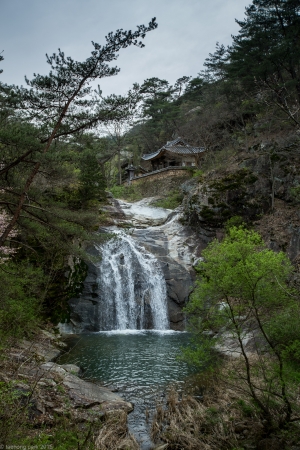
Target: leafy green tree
{"type": "Point", "coordinates": [161, 112]}
{"type": "Point", "coordinates": [243, 293]}
{"type": "Point", "coordinates": [154, 87]}
{"type": "Point", "coordinates": [215, 64]}
{"type": "Point", "coordinates": [158, 110]}
{"type": "Point", "coordinates": [117, 137]}
{"type": "Point", "coordinates": [58, 219]}
{"type": "Point", "coordinates": [193, 90]}
{"type": "Point", "coordinates": [264, 58]}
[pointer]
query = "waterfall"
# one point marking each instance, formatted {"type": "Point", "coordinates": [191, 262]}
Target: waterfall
{"type": "Point", "coordinates": [131, 287]}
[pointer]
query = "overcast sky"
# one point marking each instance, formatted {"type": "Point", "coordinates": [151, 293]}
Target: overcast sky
{"type": "Point", "coordinates": [187, 32]}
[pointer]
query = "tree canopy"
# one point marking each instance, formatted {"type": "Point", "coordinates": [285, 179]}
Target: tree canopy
{"type": "Point", "coordinates": [243, 294]}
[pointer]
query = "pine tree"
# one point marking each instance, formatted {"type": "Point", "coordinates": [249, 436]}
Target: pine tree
{"type": "Point", "coordinates": [60, 104]}
{"type": "Point", "coordinates": [268, 44]}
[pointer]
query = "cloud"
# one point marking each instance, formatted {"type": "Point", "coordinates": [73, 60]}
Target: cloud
{"type": "Point", "coordinates": [187, 32]}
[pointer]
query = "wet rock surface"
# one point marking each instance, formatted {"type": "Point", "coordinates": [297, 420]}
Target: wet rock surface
{"type": "Point", "coordinates": [179, 277]}
{"type": "Point", "coordinates": [141, 215]}
{"type": "Point", "coordinates": [85, 394]}
{"type": "Point", "coordinates": [175, 246]}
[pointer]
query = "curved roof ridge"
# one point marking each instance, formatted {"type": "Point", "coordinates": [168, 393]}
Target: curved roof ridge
{"type": "Point", "coordinates": [147, 156]}
{"type": "Point", "coordinates": [175, 141]}
{"type": "Point", "coordinates": [172, 146]}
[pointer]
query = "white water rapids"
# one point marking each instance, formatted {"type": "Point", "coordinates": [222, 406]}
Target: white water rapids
{"type": "Point", "coordinates": [132, 287]}
{"type": "Point", "coordinates": [140, 279]}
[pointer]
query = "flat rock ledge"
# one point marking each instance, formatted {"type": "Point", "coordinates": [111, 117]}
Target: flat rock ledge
{"type": "Point", "coordinates": [84, 394]}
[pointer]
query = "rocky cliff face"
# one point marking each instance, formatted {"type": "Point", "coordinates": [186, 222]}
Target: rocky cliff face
{"type": "Point", "coordinates": [259, 187]}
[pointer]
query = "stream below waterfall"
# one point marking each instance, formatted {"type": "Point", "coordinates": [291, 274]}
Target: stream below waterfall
{"type": "Point", "coordinates": [139, 365]}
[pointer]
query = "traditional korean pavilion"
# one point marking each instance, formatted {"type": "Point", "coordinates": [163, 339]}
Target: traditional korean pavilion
{"type": "Point", "coordinates": [175, 153]}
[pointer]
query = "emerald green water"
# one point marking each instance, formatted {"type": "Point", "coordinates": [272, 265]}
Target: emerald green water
{"type": "Point", "coordinates": [140, 365]}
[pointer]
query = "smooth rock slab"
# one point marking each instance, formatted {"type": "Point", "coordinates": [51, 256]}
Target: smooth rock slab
{"type": "Point", "coordinates": [86, 394]}
{"type": "Point", "coordinates": [71, 368]}
{"type": "Point", "coordinates": [53, 368]}
{"type": "Point", "coordinates": [142, 215]}
{"type": "Point", "coordinates": [45, 350]}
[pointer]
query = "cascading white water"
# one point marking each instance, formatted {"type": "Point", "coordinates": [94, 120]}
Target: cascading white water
{"type": "Point", "coordinates": [132, 288]}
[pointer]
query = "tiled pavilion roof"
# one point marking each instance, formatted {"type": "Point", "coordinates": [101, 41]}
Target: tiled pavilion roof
{"type": "Point", "coordinates": [178, 146]}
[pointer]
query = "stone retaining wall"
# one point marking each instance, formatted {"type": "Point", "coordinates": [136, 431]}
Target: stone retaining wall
{"type": "Point", "coordinates": [160, 182]}
{"type": "Point", "coordinates": [161, 174]}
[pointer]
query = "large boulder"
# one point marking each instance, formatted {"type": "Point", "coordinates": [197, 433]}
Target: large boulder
{"type": "Point", "coordinates": [82, 394]}
{"type": "Point", "coordinates": [86, 395]}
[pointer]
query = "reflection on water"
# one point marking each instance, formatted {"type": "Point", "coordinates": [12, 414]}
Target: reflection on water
{"type": "Point", "coordinates": [140, 364]}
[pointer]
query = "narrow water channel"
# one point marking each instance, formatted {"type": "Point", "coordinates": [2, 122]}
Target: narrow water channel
{"type": "Point", "coordinates": [140, 365]}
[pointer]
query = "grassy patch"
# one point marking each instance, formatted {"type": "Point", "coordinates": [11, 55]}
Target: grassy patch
{"type": "Point", "coordinates": [171, 201]}
{"type": "Point", "coordinates": [124, 192]}
{"type": "Point", "coordinates": [224, 419]}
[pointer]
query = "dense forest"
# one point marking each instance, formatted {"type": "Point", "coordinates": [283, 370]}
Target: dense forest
{"type": "Point", "coordinates": [63, 146]}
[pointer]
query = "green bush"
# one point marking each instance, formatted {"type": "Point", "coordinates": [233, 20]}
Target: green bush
{"type": "Point", "coordinates": [235, 221]}
{"type": "Point", "coordinates": [198, 173]}
{"type": "Point", "coordinates": [22, 292]}
{"type": "Point", "coordinates": [243, 291]}
{"type": "Point", "coordinates": [295, 193]}
{"type": "Point", "coordinates": [125, 192]}
{"type": "Point", "coordinates": [171, 201]}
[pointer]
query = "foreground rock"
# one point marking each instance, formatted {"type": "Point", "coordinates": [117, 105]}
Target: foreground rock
{"type": "Point", "coordinates": [52, 389]}
{"type": "Point", "coordinates": [84, 394]}
{"type": "Point", "coordinates": [47, 402]}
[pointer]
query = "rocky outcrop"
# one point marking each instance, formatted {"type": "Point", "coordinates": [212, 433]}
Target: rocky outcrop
{"type": "Point", "coordinates": [210, 202]}
{"type": "Point", "coordinates": [259, 187]}
{"type": "Point", "coordinates": [48, 389]}
{"type": "Point", "coordinates": [84, 394]}
{"type": "Point", "coordinates": [84, 310]}
{"type": "Point", "coordinates": [113, 209]}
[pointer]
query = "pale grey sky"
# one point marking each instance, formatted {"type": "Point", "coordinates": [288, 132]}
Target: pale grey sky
{"type": "Point", "coordinates": [187, 32]}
